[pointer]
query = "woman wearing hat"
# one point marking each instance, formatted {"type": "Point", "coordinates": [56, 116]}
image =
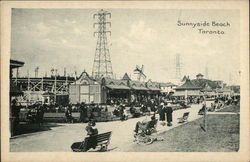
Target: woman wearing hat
{"type": "Point", "coordinates": [91, 132]}
{"type": "Point", "coordinates": [91, 141]}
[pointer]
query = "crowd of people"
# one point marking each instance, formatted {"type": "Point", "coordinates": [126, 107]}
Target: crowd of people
{"type": "Point", "coordinates": [35, 112]}
{"type": "Point", "coordinates": [86, 111]}
{"type": "Point", "coordinates": [219, 102]}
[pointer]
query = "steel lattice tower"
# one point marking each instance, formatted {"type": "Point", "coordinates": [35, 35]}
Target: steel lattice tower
{"type": "Point", "coordinates": [102, 66]}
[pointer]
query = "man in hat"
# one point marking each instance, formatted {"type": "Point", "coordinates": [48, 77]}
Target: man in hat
{"type": "Point", "coordinates": [161, 112]}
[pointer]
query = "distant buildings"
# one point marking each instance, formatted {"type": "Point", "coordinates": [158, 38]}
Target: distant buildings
{"type": "Point", "coordinates": [188, 89]}
{"type": "Point", "coordinates": [201, 86]}
{"type": "Point", "coordinates": [88, 90]}
{"type": "Point", "coordinates": [167, 88]}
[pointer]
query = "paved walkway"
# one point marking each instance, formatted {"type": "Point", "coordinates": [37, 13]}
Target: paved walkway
{"type": "Point", "coordinates": [60, 138]}
{"type": "Point", "coordinates": [222, 113]}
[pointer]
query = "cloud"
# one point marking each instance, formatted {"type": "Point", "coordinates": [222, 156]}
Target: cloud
{"type": "Point", "coordinates": [141, 32]}
{"type": "Point", "coordinates": [139, 36]}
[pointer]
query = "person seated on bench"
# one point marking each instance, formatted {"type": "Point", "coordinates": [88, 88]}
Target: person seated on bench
{"type": "Point", "coordinates": [91, 132]}
{"type": "Point", "coordinates": [183, 118]}
{"type": "Point", "coordinates": [146, 124]}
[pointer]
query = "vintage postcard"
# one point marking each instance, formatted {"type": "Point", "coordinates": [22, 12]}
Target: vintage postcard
{"type": "Point", "coordinates": [123, 81]}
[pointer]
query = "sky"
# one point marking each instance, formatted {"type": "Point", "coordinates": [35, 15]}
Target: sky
{"type": "Point", "coordinates": [63, 38]}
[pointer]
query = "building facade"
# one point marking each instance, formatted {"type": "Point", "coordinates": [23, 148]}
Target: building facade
{"type": "Point", "coordinates": [85, 89]}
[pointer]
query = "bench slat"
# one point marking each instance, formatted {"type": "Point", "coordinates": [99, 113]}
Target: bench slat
{"type": "Point", "coordinates": [103, 139]}
{"type": "Point", "coordinates": [105, 135]}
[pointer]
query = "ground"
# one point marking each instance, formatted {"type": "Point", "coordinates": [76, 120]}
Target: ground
{"type": "Point", "coordinates": [222, 135]}
{"type": "Point", "coordinates": [233, 108]}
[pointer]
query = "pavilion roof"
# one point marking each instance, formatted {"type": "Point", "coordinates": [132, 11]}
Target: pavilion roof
{"type": "Point", "coordinates": [188, 85]}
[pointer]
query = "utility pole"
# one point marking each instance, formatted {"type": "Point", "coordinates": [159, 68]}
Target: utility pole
{"type": "Point", "coordinates": [36, 72]}
{"type": "Point", "coordinates": [66, 88]}
{"type": "Point", "coordinates": [28, 86]}
{"type": "Point", "coordinates": [52, 71]}
{"type": "Point", "coordinates": [102, 63]}
{"type": "Point", "coordinates": [65, 72]}
{"type": "Point", "coordinates": [55, 85]}
{"type": "Point", "coordinates": [42, 84]}
{"type": "Point", "coordinates": [204, 124]}
{"type": "Point", "coordinates": [205, 114]}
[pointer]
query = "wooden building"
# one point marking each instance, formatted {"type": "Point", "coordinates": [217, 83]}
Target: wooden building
{"type": "Point", "coordinates": [188, 89]}
{"type": "Point", "coordinates": [85, 89]}
{"type": "Point", "coordinates": [139, 91]}
{"type": "Point", "coordinates": [107, 90]}
{"type": "Point", "coordinates": [113, 88]}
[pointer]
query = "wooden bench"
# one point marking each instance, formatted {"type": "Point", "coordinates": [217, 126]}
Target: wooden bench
{"type": "Point", "coordinates": [103, 140]}
{"type": "Point", "coordinates": [184, 117]}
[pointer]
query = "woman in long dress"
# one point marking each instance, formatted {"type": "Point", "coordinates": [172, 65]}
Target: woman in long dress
{"type": "Point", "coordinates": [161, 111]}
{"type": "Point", "coordinates": [169, 112]}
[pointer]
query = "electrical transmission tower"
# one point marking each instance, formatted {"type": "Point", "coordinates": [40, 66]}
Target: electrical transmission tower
{"type": "Point", "coordinates": [102, 66]}
{"type": "Point", "coordinates": [178, 66]}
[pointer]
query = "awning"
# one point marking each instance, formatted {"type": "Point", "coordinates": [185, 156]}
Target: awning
{"type": "Point", "coordinates": [140, 88]}
{"type": "Point", "coordinates": [189, 93]}
{"type": "Point", "coordinates": [154, 89]}
{"type": "Point", "coordinates": [48, 94]}
{"type": "Point", "coordinates": [117, 87]}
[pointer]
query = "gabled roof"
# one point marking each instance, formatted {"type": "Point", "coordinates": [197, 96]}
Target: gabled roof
{"type": "Point", "coordinates": [137, 85]}
{"type": "Point", "coordinates": [109, 81]}
{"type": "Point", "coordinates": [153, 85]}
{"type": "Point", "coordinates": [202, 83]}
{"type": "Point", "coordinates": [184, 78]}
{"type": "Point", "coordinates": [207, 88]}
{"type": "Point", "coordinates": [115, 84]}
{"type": "Point", "coordinates": [188, 85]}
{"type": "Point", "coordinates": [168, 84]}
{"type": "Point", "coordinates": [125, 77]}
{"type": "Point", "coordinates": [84, 78]}
{"type": "Point", "coordinates": [199, 75]}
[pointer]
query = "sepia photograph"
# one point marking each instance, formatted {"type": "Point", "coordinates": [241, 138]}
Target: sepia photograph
{"type": "Point", "coordinates": [110, 79]}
